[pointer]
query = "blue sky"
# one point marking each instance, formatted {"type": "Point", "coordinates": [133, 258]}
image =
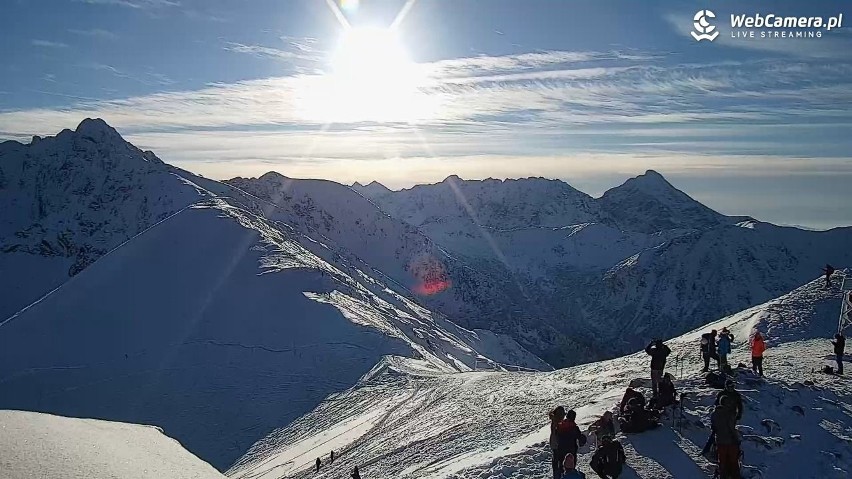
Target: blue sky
{"type": "Point", "coordinates": [587, 91]}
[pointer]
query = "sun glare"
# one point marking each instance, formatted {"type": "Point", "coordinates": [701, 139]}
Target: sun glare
{"type": "Point", "coordinates": [371, 78]}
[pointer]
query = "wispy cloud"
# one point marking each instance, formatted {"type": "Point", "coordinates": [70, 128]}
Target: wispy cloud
{"type": "Point", "coordinates": [139, 4]}
{"type": "Point", "coordinates": [49, 44]}
{"type": "Point", "coordinates": [94, 33]}
{"type": "Point", "coordinates": [293, 49]}
{"type": "Point", "coordinates": [542, 105]}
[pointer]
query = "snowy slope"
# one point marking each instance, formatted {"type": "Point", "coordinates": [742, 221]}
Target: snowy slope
{"type": "Point", "coordinates": [218, 323]}
{"type": "Point", "coordinates": [402, 423]}
{"type": "Point", "coordinates": [45, 446]}
{"type": "Point", "coordinates": [68, 199]}
{"type": "Point", "coordinates": [644, 260]}
{"type": "Point", "coordinates": [477, 294]}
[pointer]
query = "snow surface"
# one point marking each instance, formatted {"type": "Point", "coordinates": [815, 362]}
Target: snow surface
{"type": "Point", "coordinates": [219, 323]}
{"type": "Point", "coordinates": [400, 423]}
{"type": "Point", "coordinates": [34, 445]}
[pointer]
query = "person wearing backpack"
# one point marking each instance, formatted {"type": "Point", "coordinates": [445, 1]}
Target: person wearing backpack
{"type": "Point", "coordinates": [609, 459]}
{"type": "Point", "coordinates": [758, 346]}
{"type": "Point", "coordinates": [569, 466]}
{"type": "Point", "coordinates": [658, 352]}
{"type": "Point", "coordinates": [708, 349]}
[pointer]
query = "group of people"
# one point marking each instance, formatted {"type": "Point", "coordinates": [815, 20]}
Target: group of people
{"type": "Point", "coordinates": [355, 473]}
{"type": "Point", "coordinates": [716, 345]}
{"type": "Point", "coordinates": [566, 439]}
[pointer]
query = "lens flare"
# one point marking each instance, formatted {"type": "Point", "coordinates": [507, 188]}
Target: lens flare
{"type": "Point", "coordinates": [350, 6]}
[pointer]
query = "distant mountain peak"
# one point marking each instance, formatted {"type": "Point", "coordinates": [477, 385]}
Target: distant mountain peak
{"type": "Point", "coordinates": [272, 176]}
{"type": "Point", "coordinates": [97, 129]}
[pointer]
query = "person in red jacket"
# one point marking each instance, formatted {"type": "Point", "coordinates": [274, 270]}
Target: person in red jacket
{"type": "Point", "coordinates": [758, 346]}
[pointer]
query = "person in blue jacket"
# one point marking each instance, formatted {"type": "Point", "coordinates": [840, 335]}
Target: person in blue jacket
{"type": "Point", "coordinates": [724, 345]}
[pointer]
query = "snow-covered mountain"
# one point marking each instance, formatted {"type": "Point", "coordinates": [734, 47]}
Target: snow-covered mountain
{"type": "Point", "coordinates": [68, 199]}
{"type": "Point", "coordinates": [227, 317]}
{"type": "Point", "coordinates": [399, 423]}
{"type": "Point", "coordinates": [649, 203]}
{"type": "Point", "coordinates": [644, 260]}
{"type": "Point", "coordinates": [472, 292]}
{"type": "Point", "coordinates": [44, 446]}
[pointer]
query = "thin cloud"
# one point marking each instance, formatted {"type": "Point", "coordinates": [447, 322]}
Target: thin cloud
{"type": "Point", "coordinates": [94, 33]}
{"type": "Point", "coordinates": [49, 44]}
{"type": "Point", "coordinates": [137, 4]}
{"type": "Point", "coordinates": [539, 104]}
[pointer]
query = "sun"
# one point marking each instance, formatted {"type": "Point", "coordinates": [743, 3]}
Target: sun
{"type": "Point", "coordinates": [371, 77]}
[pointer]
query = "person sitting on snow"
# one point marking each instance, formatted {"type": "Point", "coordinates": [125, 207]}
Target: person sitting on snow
{"type": "Point", "coordinates": [637, 419]}
{"type": "Point", "coordinates": [604, 426]}
{"type": "Point", "coordinates": [668, 393]}
{"type": "Point", "coordinates": [628, 396]}
{"type": "Point", "coordinates": [609, 459]}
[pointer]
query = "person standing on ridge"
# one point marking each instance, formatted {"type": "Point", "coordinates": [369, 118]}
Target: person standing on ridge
{"type": "Point", "coordinates": [839, 349]}
{"type": "Point", "coordinates": [570, 437]}
{"type": "Point", "coordinates": [708, 349]}
{"type": "Point", "coordinates": [556, 416]}
{"type": "Point", "coordinates": [658, 352]}
{"type": "Point", "coordinates": [609, 459]}
{"type": "Point", "coordinates": [828, 270]}
{"type": "Point", "coordinates": [724, 424]}
{"type": "Point", "coordinates": [724, 345]}
{"type": "Point", "coordinates": [355, 473]}
{"type": "Point", "coordinates": [319, 463]}
{"type": "Point", "coordinates": [733, 398]}
{"type": "Point", "coordinates": [331, 457]}
{"type": "Point", "coordinates": [758, 346]}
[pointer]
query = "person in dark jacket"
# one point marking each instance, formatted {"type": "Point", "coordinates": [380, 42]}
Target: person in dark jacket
{"type": "Point", "coordinates": [668, 393]}
{"type": "Point", "coordinates": [708, 349]}
{"type": "Point", "coordinates": [828, 270]}
{"type": "Point", "coordinates": [839, 349]}
{"type": "Point", "coordinates": [604, 426]}
{"type": "Point", "coordinates": [319, 463]}
{"type": "Point", "coordinates": [658, 352]}
{"type": "Point", "coordinates": [355, 473]}
{"type": "Point", "coordinates": [570, 437]}
{"type": "Point", "coordinates": [736, 398]}
{"type": "Point", "coordinates": [609, 459]}
{"type": "Point", "coordinates": [724, 423]}
{"type": "Point", "coordinates": [628, 395]}
{"type": "Point", "coordinates": [556, 417]}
